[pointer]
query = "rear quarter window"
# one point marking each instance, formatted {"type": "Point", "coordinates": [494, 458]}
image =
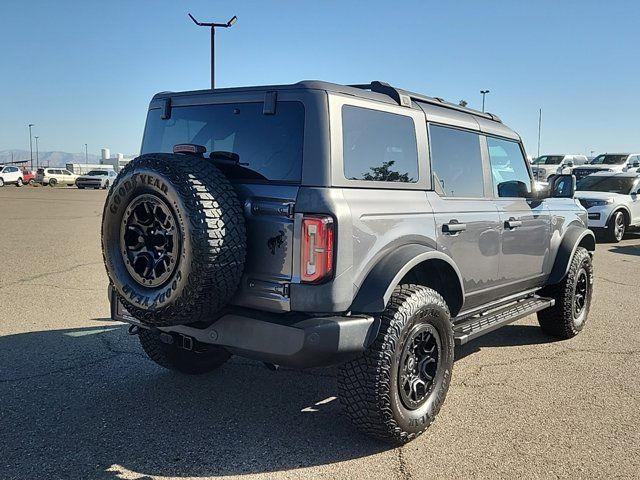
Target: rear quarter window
{"type": "Point", "coordinates": [378, 146]}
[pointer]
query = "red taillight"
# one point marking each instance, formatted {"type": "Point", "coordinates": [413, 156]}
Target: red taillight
{"type": "Point", "coordinates": [317, 248]}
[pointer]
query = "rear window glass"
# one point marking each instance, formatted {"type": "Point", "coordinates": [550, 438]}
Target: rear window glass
{"type": "Point", "coordinates": [268, 147]}
{"type": "Point", "coordinates": [379, 146]}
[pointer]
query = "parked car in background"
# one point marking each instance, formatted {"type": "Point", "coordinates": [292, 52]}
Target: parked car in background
{"type": "Point", "coordinates": [55, 176]}
{"type": "Point", "coordinates": [608, 162]}
{"type": "Point", "coordinates": [96, 179]}
{"type": "Point", "coordinates": [546, 165]}
{"type": "Point", "coordinates": [612, 202]}
{"type": "Point", "coordinates": [10, 174]}
{"type": "Point", "coordinates": [28, 176]}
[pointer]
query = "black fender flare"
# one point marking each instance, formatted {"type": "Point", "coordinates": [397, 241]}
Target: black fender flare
{"type": "Point", "coordinates": [376, 290]}
{"type": "Point", "coordinates": [574, 237]}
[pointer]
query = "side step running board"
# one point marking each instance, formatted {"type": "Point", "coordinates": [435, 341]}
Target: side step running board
{"type": "Point", "coordinates": [490, 321]}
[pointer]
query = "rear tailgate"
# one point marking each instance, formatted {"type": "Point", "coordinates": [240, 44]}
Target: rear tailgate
{"type": "Point", "coordinates": [271, 248]}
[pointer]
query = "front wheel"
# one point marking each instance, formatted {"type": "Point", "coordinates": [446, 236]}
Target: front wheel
{"type": "Point", "coordinates": [19, 183]}
{"type": "Point", "coordinates": [53, 182]}
{"type": "Point", "coordinates": [395, 389]}
{"type": "Point", "coordinates": [573, 299]}
{"type": "Point", "coordinates": [616, 227]}
{"type": "Point", "coordinates": [201, 359]}
{"type": "Point", "coordinates": [1, 182]}
{"type": "Point", "coordinates": [32, 182]}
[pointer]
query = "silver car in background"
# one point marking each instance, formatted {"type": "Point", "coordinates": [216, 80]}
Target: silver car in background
{"type": "Point", "coordinates": [96, 179]}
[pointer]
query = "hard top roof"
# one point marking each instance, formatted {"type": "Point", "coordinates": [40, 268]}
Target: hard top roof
{"type": "Point", "coordinates": [378, 91]}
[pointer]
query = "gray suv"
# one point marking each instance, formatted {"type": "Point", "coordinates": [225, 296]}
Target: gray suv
{"type": "Point", "coordinates": [315, 224]}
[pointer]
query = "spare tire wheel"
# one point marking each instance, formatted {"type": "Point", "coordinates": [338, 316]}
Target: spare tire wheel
{"type": "Point", "coordinates": [173, 239]}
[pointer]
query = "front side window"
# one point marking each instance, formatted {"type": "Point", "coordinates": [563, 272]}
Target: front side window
{"type": "Point", "coordinates": [378, 146]}
{"type": "Point", "coordinates": [267, 147]}
{"type": "Point", "coordinates": [508, 168]}
{"type": "Point", "coordinates": [456, 162]}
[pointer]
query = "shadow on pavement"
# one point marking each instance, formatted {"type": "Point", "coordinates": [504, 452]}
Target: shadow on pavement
{"type": "Point", "coordinates": [86, 403]}
{"type": "Point", "coordinates": [627, 249]}
{"type": "Point", "coordinates": [507, 336]}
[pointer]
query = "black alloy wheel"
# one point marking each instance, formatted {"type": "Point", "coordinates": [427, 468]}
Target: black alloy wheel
{"type": "Point", "coordinates": [418, 365]}
{"type": "Point", "coordinates": [149, 240]}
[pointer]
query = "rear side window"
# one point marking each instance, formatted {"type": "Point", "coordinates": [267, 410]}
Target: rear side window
{"type": "Point", "coordinates": [508, 168]}
{"type": "Point", "coordinates": [456, 162]}
{"type": "Point", "coordinates": [378, 146]}
{"type": "Point", "coordinates": [268, 147]}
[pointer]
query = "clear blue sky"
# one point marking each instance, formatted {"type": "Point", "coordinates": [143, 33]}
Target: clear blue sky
{"type": "Point", "coordinates": [85, 71]}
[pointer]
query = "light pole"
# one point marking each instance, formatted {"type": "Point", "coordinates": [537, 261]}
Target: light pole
{"type": "Point", "coordinates": [31, 144]}
{"type": "Point", "coordinates": [86, 154]}
{"type": "Point", "coordinates": [37, 155]}
{"type": "Point", "coordinates": [483, 92]}
{"type": "Point", "coordinates": [539, 129]}
{"type": "Point", "coordinates": [213, 48]}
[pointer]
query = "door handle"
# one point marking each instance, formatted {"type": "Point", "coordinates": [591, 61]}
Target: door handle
{"type": "Point", "coordinates": [512, 223]}
{"type": "Point", "coordinates": [453, 228]}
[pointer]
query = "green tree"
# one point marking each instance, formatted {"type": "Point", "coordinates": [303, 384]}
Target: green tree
{"type": "Point", "coordinates": [463, 103]}
{"type": "Point", "coordinates": [385, 174]}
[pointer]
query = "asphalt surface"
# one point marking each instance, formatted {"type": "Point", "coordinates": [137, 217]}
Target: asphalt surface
{"type": "Point", "coordinates": [79, 400]}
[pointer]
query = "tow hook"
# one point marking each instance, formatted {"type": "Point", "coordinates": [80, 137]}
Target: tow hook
{"type": "Point", "coordinates": [133, 330]}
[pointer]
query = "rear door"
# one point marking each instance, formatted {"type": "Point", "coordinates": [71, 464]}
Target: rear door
{"type": "Point", "coordinates": [467, 220]}
{"type": "Point", "coordinates": [524, 222]}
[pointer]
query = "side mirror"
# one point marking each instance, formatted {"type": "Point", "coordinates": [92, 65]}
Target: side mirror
{"type": "Point", "coordinates": [562, 186]}
{"type": "Point", "coordinates": [569, 163]}
{"type": "Point", "coordinates": [635, 164]}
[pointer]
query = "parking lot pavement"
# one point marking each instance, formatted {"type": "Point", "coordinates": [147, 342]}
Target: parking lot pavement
{"type": "Point", "coordinates": [79, 400]}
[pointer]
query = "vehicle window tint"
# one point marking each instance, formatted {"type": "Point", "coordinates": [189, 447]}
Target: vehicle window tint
{"type": "Point", "coordinates": [456, 162]}
{"type": "Point", "coordinates": [508, 168]}
{"type": "Point", "coordinates": [267, 147]}
{"type": "Point", "coordinates": [378, 146]}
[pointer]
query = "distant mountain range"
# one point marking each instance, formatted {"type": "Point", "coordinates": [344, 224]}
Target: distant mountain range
{"type": "Point", "coordinates": [52, 159]}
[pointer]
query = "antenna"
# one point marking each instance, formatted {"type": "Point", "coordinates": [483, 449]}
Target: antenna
{"type": "Point", "coordinates": [213, 26]}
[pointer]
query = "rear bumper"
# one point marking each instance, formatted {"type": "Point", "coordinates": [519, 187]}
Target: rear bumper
{"type": "Point", "coordinates": [278, 339]}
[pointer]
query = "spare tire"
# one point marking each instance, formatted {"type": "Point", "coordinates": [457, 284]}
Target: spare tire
{"type": "Point", "coordinates": [173, 239]}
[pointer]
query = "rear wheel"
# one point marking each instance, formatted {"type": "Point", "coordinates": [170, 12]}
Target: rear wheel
{"type": "Point", "coordinates": [200, 359]}
{"type": "Point", "coordinates": [573, 299]}
{"type": "Point", "coordinates": [616, 227]}
{"type": "Point", "coordinates": [32, 182]}
{"type": "Point", "coordinates": [19, 182]}
{"type": "Point", "coordinates": [53, 182]}
{"type": "Point", "coordinates": [395, 389]}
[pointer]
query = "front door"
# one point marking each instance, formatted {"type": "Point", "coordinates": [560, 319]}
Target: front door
{"type": "Point", "coordinates": [524, 222]}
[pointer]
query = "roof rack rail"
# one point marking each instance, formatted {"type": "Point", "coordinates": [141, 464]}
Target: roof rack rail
{"type": "Point", "coordinates": [404, 97]}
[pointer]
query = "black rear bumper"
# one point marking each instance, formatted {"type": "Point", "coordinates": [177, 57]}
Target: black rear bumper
{"type": "Point", "coordinates": [308, 342]}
